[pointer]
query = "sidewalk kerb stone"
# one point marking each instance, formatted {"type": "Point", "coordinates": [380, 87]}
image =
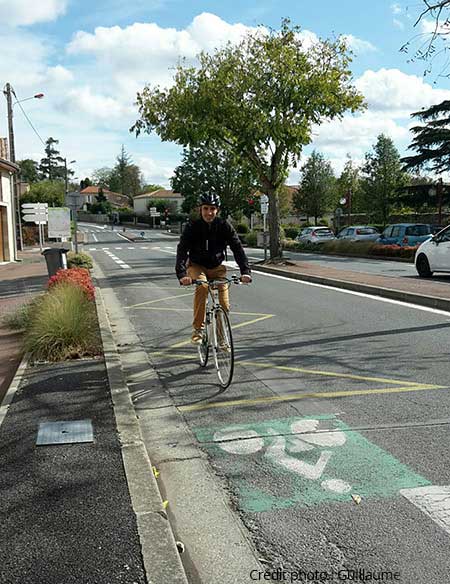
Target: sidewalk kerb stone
{"type": "Point", "coordinates": [161, 558]}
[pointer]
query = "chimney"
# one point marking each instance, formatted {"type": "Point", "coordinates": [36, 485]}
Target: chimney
{"type": "Point", "coordinates": [4, 148]}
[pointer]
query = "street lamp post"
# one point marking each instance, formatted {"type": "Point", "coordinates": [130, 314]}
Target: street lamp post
{"type": "Point", "coordinates": [8, 92]}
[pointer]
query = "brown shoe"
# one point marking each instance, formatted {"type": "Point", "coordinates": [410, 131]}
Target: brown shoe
{"type": "Point", "coordinates": [197, 336]}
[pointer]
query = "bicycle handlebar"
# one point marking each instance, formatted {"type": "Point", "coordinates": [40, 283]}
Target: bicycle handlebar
{"type": "Point", "coordinates": [216, 282]}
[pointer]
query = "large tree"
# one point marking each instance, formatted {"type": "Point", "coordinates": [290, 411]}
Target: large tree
{"type": "Point", "coordinates": [45, 191]}
{"type": "Point", "coordinates": [316, 188]}
{"type": "Point", "coordinates": [349, 181]}
{"type": "Point", "coordinates": [432, 140]}
{"type": "Point", "coordinates": [259, 98]}
{"type": "Point", "coordinates": [213, 168]}
{"type": "Point", "coordinates": [382, 178]}
{"type": "Point", "coordinates": [51, 166]}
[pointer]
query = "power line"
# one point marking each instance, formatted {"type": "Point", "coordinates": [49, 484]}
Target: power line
{"type": "Point", "coordinates": [27, 118]}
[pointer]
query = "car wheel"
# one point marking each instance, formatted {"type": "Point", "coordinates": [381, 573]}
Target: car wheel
{"type": "Point", "coordinates": [423, 267]}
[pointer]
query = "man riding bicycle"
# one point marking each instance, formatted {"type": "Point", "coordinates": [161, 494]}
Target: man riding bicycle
{"type": "Point", "coordinates": [200, 254]}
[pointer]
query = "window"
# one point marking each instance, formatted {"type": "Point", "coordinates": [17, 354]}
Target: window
{"type": "Point", "coordinates": [444, 236]}
{"type": "Point", "coordinates": [396, 231]}
{"type": "Point", "coordinates": [366, 231]}
{"type": "Point", "coordinates": [418, 230]}
{"type": "Point", "coordinates": [387, 232]}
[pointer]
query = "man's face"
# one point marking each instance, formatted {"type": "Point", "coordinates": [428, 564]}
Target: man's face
{"type": "Point", "coordinates": [209, 213]}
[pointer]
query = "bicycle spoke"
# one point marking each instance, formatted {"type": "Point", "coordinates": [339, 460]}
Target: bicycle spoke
{"type": "Point", "coordinates": [223, 348]}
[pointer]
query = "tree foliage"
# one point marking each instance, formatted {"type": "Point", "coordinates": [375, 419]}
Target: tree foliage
{"type": "Point", "coordinates": [46, 191]}
{"type": "Point", "coordinates": [212, 168]}
{"type": "Point", "coordinates": [51, 166]}
{"type": "Point", "coordinates": [29, 171]}
{"type": "Point", "coordinates": [350, 181]}
{"type": "Point", "coordinates": [260, 98]}
{"type": "Point", "coordinates": [432, 140]}
{"type": "Point", "coordinates": [316, 187]}
{"type": "Point", "coordinates": [382, 178]}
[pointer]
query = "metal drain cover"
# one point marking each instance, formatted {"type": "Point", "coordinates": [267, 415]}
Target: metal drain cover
{"type": "Point", "coordinates": [65, 432]}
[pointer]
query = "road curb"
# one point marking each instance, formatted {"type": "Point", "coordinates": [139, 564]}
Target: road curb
{"type": "Point", "coordinates": [13, 387]}
{"type": "Point", "coordinates": [411, 297]}
{"type": "Point", "coordinates": [160, 555]}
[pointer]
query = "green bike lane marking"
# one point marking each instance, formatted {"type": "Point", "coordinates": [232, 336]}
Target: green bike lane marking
{"type": "Point", "coordinates": [305, 461]}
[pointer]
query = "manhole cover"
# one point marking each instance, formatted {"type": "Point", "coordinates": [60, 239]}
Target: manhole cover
{"type": "Point", "coordinates": [65, 432]}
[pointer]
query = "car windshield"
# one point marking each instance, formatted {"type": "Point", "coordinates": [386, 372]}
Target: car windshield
{"type": "Point", "coordinates": [321, 232]}
{"type": "Point", "coordinates": [418, 230]}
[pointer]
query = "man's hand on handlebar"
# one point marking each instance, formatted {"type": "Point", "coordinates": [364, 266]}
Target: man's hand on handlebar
{"type": "Point", "coordinates": [186, 281]}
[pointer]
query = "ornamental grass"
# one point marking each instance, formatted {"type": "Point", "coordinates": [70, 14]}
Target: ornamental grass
{"type": "Point", "coordinates": [64, 325]}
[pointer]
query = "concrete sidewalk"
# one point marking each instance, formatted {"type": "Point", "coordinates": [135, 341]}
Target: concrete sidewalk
{"type": "Point", "coordinates": [83, 512]}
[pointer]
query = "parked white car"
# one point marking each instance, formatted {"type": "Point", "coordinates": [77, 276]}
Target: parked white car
{"type": "Point", "coordinates": [315, 235]}
{"type": "Point", "coordinates": [433, 255]}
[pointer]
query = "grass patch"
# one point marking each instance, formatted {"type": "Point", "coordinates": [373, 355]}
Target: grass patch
{"type": "Point", "coordinates": [64, 326]}
{"type": "Point", "coordinates": [20, 319]}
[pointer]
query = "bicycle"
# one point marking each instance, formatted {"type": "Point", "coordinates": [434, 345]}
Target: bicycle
{"type": "Point", "coordinates": [217, 334]}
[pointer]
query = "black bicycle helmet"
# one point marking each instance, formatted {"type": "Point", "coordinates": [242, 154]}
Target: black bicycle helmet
{"type": "Point", "coordinates": [209, 199]}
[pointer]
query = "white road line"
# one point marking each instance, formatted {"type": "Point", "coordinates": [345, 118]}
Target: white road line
{"type": "Point", "coordinates": [167, 251]}
{"type": "Point", "coordinates": [144, 247]}
{"type": "Point", "coordinates": [361, 294]}
{"type": "Point", "coordinates": [125, 266]}
{"type": "Point", "coordinates": [92, 249]}
{"type": "Point", "coordinates": [434, 501]}
{"type": "Point", "coordinates": [95, 237]}
{"type": "Point", "coordinates": [117, 248]}
{"type": "Point", "coordinates": [130, 247]}
{"type": "Point", "coordinates": [119, 261]}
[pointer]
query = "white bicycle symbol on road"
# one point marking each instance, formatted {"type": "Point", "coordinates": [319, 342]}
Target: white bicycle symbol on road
{"type": "Point", "coordinates": [305, 437]}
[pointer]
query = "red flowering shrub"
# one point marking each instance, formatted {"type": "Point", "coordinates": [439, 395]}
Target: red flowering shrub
{"type": "Point", "coordinates": [394, 250]}
{"type": "Point", "coordinates": [76, 276]}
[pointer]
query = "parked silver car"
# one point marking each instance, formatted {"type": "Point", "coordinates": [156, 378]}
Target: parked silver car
{"type": "Point", "coordinates": [315, 235]}
{"type": "Point", "coordinates": [359, 233]}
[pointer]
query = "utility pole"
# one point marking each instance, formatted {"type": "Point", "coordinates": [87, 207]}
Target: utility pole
{"type": "Point", "coordinates": [18, 245]}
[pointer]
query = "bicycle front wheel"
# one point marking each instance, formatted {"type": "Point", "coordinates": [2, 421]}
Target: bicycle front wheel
{"type": "Point", "coordinates": [223, 349]}
{"type": "Point", "coordinates": [203, 348]}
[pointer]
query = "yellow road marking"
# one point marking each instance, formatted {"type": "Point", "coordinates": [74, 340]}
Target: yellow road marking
{"type": "Point", "coordinates": [330, 373]}
{"type": "Point", "coordinates": [302, 370]}
{"type": "Point", "coordinates": [308, 395]}
{"type": "Point", "coordinates": [159, 300]}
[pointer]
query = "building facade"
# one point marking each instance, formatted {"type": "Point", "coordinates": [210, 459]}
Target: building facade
{"type": "Point", "coordinates": [141, 203]}
{"type": "Point", "coordinates": [7, 236]}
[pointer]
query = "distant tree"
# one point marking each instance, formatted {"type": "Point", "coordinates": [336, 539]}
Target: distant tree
{"type": "Point", "coordinates": [52, 167]}
{"type": "Point", "coordinates": [29, 171]}
{"type": "Point", "coordinates": [100, 196]}
{"type": "Point", "coordinates": [213, 168]}
{"type": "Point", "coordinates": [382, 177]}
{"type": "Point", "coordinates": [85, 183]}
{"type": "Point", "coordinates": [316, 188]}
{"type": "Point", "coordinates": [350, 181]}
{"type": "Point", "coordinates": [126, 177]}
{"type": "Point", "coordinates": [46, 191]}
{"type": "Point", "coordinates": [151, 188]}
{"type": "Point", "coordinates": [102, 177]}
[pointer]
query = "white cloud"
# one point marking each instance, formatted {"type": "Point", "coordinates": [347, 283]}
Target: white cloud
{"type": "Point", "coordinates": [103, 108]}
{"type": "Point", "coordinates": [430, 26]}
{"type": "Point", "coordinates": [358, 45]}
{"type": "Point", "coordinates": [59, 74]}
{"type": "Point", "coordinates": [155, 172]}
{"type": "Point", "coordinates": [27, 12]}
{"type": "Point", "coordinates": [396, 9]}
{"type": "Point", "coordinates": [391, 90]}
{"type": "Point", "coordinates": [398, 23]}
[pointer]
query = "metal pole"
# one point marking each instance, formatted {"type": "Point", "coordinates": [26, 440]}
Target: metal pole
{"type": "Point", "coordinates": [76, 229]}
{"type": "Point", "coordinates": [265, 237]}
{"type": "Point", "coordinates": [12, 156]}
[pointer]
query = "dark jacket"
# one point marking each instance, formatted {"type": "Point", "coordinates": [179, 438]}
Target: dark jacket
{"type": "Point", "coordinates": [205, 243]}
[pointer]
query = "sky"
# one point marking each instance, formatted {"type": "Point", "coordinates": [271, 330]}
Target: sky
{"type": "Point", "coordinates": [90, 58]}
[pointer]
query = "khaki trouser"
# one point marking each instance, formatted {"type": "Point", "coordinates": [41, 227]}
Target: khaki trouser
{"type": "Point", "coordinates": [197, 272]}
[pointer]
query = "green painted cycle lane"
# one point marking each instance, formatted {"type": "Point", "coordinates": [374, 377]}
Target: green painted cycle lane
{"type": "Point", "coordinates": [312, 459]}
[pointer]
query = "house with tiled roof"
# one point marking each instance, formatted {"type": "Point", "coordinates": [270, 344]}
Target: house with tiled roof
{"type": "Point", "coordinates": [116, 199]}
{"type": "Point", "coordinates": [141, 203]}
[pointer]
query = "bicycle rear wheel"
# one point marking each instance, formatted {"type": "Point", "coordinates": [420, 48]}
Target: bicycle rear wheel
{"type": "Point", "coordinates": [222, 346]}
{"type": "Point", "coordinates": [203, 348]}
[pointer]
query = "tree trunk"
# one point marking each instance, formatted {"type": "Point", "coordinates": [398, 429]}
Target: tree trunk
{"type": "Point", "coordinates": [274, 225]}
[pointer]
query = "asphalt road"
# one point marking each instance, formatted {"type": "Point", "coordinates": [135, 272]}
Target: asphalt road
{"type": "Point", "coordinates": [331, 445]}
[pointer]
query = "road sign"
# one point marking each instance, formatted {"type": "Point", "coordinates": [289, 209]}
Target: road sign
{"type": "Point", "coordinates": [58, 222]}
{"type": "Point", "coordinates": [264, 199]}
{"type": "Point", "coordinates": [264, 208]}
{"type": "Point", "coordinates": [26, 206]}
{"type": "Point", "coordinates": [36, 218]}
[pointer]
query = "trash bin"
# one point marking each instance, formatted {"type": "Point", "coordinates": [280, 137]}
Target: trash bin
{"type": "Point", "coordinates": [56, 259]}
